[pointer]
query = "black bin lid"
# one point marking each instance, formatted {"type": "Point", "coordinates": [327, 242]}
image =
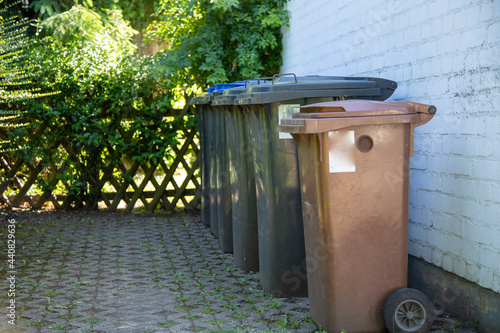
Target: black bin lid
{"type": "Point", "coordinates": [288, 87]}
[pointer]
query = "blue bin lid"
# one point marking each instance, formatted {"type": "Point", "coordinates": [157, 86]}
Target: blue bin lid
{"type": "Point", "coordinates": [220, 87]}
{"type": "Point", "coordinates": [229, 94]}
{"type": "Point", "coordinates": [231, 89]}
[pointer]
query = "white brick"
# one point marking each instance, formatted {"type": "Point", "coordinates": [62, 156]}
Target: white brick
{"type": "Point", "coordinates": [451, 184]}
{"type": "Point", "coordinates": [484, 235]}
{"type": "Point", "coordinates": [437, 258]}
{"type": "Point", "coordinates": [493, 34]}
{"type": "Point", "coordinates": [418, 161]}
{"type": "Point", "coordinates": [489, 259]}
{"type": "Point", "coordinates": [495, 235]}
{"type": "Point", "coordinates": [484, 169]}
{"type": "Point", "coordinates": [425, 199]}
{"type": "Point", "coordinates": [458, 166]}
{"type": "Point", "coordinates": [486, 12]}
{"type": "Point", "coordinates": [437, 27]}
{"type": "Point", "coordinates": [453, 144]}
{"type": "Point", "coordinates": [426, 31]}
{"type": "Point", "coordinates": [416, 233]}
{"type": "Point", "coordinates": [453, 244]}
{"type": "Point", "coordinates": [446, 65]}
{"type": "Point", "coordinates": [440, 84]}
{"type": "Point", "coordinates": [475, 254]}
{"type": "Point", "coordinates": [413, 196]}
{"type": "Point", "coordinates": [495, 192]}
{"type": "Point", "coordinates": [448, 263]}
{"type": "Point", "coordinates": [484, 189]}
{"type": "Point", "coordinates": [448, 204]}
{"type": "Point", "coordinates": [468, 145]}
{"type": "Point", "coordinates": [470, 231]}
{"type": "Point", "coordinates": [436, 239]}
{"type": "Point", "coordinates": [465, 250]}
{"type": "Point", "coordinates": [486, 57]}
{"type": "Point", "coordinates": [417, 15]}
{"type": "Point", "coordinates": [458, 227]}
{"type": "Point", "coordinates": [423, 144]}
{"type": "Point", "coordinates": [493, 124]}
{"type": "Point", "coordinates": [472, 209]}
{"type": "Point", "coordinates": [414, 214]}
{"type": "Point", "coordinates": [471, 189]}
{"type": "Point", "coordinates": [459, 267]}
{"type": "Point", "coordinates": [492, 215]}
{"type": "Point", "coordinates": [433, 163]}
{"type": "Point", "coordinates": [427, 254]}
{"type": "Point", "coordinates": [446, 223]}
{"type": "Point", "coordinates": [472, 273]}
{"type": "Point", "coordinates": [425, 218]}
{"type": "Point", "coordinates": [486, 277]}
{"type": "Point", "coordinates": [471, 39]}
{"type": "Point", "coordinates": [460, 20]}
{"type": "Point", "coordinates": [436, 221]}
{"type": "Point", "coordinates": [415, 249]}
{"type": "Point", "coordinates": [485, 147]}
{"type": "Point", "coordinates": [496, 8]}
{"type": "Point", "coordinates": [448, 25]}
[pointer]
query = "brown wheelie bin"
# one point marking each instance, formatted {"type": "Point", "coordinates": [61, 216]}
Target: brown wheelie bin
{"type": "Point", "coordinates": [354, 171]}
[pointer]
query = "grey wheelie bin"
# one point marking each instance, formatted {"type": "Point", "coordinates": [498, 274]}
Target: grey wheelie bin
{"type": "Point", "coordinates": [209, 171]}
{"type": "Point", "coordinates": [354, 171]}
{"type": "Point", "coordinates": [282, 259]}
{"type": "Point", "coordinates": [242, 181]}
{"type": "Point", "coordinates": [202, 109]}
{"type": "Point", "coordinates": [223, 201]}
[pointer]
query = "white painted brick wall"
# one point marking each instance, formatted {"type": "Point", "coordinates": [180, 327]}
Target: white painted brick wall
{"type": "Point", "coordinates": [441, 52]}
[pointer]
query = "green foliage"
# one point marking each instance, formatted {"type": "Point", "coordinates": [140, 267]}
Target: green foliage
{"type": "Point", "coordinates": [106, 94]}
{"type": "Point", "coordinates": [15, 75]}
{"type": "Point", "coordinates": [112, 105]}
{"type": "Point", "coordinates": [48, 8]}
{"type": "Point", "coordinates": [220, 40]}
{"type": "Point", "coordinates": [138, 12]}
{"type": "Point", "coordinates": [83, 26]}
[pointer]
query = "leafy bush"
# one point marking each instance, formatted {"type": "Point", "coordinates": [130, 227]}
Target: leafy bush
{"type": "Point", "coordinates": [106, 94]}
{"type": "Point", "coordinates": [220, 41]}
{"type": "Point", "coordinates": [113, 105]}
{"type": "Point", "coordinates": [15, 76]}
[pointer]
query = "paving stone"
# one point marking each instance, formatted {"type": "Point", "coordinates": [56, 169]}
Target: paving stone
{"type": "Point", "coordinates": [134, 273]}
{"type": "Point", "coordinates": [118, 272]}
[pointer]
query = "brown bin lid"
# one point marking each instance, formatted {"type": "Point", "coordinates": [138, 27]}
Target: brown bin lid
{"type": "Point", "coordinates": [331, 116]}
{"type": "Point", "coordinates": [361, 108]}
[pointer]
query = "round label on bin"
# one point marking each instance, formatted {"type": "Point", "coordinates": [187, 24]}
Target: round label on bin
{"type": "Point", "coordinates": [364, 143]}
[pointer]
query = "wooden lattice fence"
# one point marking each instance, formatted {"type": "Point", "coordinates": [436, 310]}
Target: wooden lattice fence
{"type": "Point", "coordinates": [168, 184]}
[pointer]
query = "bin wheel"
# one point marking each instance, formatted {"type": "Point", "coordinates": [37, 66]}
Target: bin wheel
{"type": "Point", "coordinates": [408, 310]}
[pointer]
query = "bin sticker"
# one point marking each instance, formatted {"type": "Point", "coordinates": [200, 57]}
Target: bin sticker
{"type": "Point", "coordinates": [341, 151]}
{"type": "Point", "coordinates": [286, 111]}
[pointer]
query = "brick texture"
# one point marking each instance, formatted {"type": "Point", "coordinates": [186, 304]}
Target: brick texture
{"type": "Point", "coordinates": [441, 52]}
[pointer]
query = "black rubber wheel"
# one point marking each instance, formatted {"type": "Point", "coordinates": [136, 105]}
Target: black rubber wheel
{"type": "Point", "coordinates": [408, 310]}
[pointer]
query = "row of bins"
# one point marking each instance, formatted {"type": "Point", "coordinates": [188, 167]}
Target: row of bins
{"type": "Point", "coordinates": [253, 189]}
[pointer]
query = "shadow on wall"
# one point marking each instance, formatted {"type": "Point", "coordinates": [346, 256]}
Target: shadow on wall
{"type": "Point", "coordinates": [457, 296]}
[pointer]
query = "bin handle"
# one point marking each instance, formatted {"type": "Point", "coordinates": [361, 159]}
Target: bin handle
{"type": "Point", "coordinates": [258, 80]}
{"type": "Point", "coordinates": [275, 76]}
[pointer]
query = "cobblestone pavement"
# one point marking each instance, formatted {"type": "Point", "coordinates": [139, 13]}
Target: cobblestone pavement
{"type": "Point", "coordinates": [118, 272]}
